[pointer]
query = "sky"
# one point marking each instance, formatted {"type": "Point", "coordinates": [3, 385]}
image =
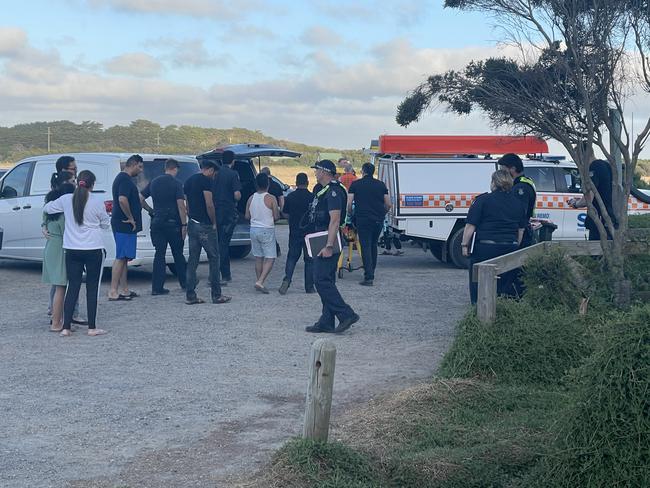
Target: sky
{"type": "Point", "coordinates": [330, 73]}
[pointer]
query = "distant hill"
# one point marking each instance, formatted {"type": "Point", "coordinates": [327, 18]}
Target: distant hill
{"type": "Point", "coordinates": [143, 136]}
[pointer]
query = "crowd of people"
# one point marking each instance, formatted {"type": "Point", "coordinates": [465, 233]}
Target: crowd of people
{"type": "Point", "coordinates": [203, 211]}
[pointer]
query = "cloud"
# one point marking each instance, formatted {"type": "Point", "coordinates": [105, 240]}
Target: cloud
{"type": "Point", "coordinates": [335, 105]}
{"type": "Point", "coordinates": [215, 9]}
{"type": "Point", "coordinates": [319, 35]}
{"type": "Point", "coordinates": [12, 41]}
{"type": "Point", "coordinates": [134, 64]}
{"type": "Point", "coordinates": [188, 53]}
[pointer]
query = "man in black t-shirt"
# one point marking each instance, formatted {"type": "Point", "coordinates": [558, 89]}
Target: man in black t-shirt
{"type": "Point", "coordinates": [327, 214]}
{"type": "Point", "coordinates": [202, 232]}
{"type": "Point", "coordinates": [296, 207]}
{"type": "Point", "coordinates": [126, 222]}
{"type": "Point", "coordinates": [226, 193]}
{"type": "Point", "coordinates": [168, 225]}
{"type": "Point", "coordinates": [600, 173]}
{"type": "Point", "coordinates": [371, 202]}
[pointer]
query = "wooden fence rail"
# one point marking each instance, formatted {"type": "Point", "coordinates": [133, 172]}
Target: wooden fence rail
{"type": "Point", "coordinates": [487, 272]}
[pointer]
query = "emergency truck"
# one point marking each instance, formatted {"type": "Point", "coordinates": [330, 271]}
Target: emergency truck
{"type": "Point", "coordinates": [432, 181]}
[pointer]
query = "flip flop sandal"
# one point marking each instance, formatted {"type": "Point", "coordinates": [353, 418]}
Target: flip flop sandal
{"type": "Point", "coordinates": [131, 294]}
{"type": "Point", "coordinates": [120, 298]}
{"type": "Point", "coordinates": [196, 301]}
{"type": "Point", "coordinates": [262, 289]}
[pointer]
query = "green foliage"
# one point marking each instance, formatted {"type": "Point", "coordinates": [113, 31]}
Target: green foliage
{"type": "Point", "coordinates": [549, 283]}
{"type": "Point", "coordinates": [328, 465]}
{"type": "Point", "coordinates": [603, 438]}
{"type": "Point", "coordinates": [639, 221]}
{"type": "Point", "coordinates": [525, 345]}
{"type": "Point", "coordinates": [142, 136]}
{"type": "Point", "coordinates": [454, 434]}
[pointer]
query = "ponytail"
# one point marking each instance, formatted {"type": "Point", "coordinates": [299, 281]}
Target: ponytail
{"type": "Point", "coordinates": [85, 183]}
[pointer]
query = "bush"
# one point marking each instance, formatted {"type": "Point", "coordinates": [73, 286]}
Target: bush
{"type": "Point", "coordinates": [328, 465]}
{"type": "Point", "coordinates": [639, 221]}
{"type": "Point", "coordinates": [524, 345]}
{"type": "Point", "coordinates": [603, 438]}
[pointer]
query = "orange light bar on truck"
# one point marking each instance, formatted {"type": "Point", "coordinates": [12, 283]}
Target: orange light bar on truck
{"type": "Point", "coordinates": [457, 145]}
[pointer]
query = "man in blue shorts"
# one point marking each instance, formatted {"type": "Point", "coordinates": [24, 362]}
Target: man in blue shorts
{"type": "Point", "coordinates": [126, 222]}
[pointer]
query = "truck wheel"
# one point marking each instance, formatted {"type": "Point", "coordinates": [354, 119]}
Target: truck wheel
{"type": "Point", "coordinates": [436, 249]}
{"type": "Point", "coordinates": [239, 252]}
{"type": "Point", "coordinates": [455, 250]}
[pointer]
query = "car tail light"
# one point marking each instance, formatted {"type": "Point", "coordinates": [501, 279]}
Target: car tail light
{"type": "Point", "coordinates": [109, 206]}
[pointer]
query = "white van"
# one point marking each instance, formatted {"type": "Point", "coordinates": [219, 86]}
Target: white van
{"type": "Point", "coordinates": [431, 194]}
{"type": "Point", "coordinates": [23, 189]}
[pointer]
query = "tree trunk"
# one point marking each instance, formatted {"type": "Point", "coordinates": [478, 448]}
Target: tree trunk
{"type": "Point", "coordinates": [615, 262]}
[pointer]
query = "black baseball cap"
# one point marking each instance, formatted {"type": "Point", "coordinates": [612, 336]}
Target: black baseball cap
{"type": "Point", "coordinates": [325, 165]}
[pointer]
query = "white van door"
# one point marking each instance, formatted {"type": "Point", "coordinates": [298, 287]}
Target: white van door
{"type": "Point", "coordinates": [550, 202]}
{"type": "Point", "coordinates": [573, 223]}
{"type": "Point", "coordinates": [12, 203]}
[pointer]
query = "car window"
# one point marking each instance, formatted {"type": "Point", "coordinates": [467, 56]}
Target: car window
{"type": "Point", "coordinates": [571, 179]}
{"type": "Point", "coordinates": [41, 178]}
{"type": "Point", "coordinates": [15, 182]}
{"type": "Point", "coordinates": [544, 178]}
{"type": "Point", "coordinates": [155, 168]}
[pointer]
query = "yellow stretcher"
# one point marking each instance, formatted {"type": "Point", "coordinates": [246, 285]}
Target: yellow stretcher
{"type": "Point", "coordinates": [350, 236]}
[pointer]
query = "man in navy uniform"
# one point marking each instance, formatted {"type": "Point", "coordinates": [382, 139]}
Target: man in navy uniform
{"type": "Point", "coordinates": [327, 213]}
{"type": "Point", "coordinates": [524, 189]}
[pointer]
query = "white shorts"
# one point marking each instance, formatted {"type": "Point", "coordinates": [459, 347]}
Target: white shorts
{"type": "Point", "coordinates": [263, 242]}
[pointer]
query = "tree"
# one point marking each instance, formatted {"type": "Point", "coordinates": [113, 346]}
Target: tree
{"type": "Point", "coordinates": [579, 59]}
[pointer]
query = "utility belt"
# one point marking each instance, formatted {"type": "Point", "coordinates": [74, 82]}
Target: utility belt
{"type": "Point", "coordinates": [497, 243]}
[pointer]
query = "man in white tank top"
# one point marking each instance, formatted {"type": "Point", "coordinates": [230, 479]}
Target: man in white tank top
{"type": "Point", "coordinates": [262, 211]}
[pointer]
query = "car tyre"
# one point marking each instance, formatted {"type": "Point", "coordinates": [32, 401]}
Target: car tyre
{"type": "Point", "coordinates": [436, 249]}
{"type": "Point", "coordinates": [455, 250]}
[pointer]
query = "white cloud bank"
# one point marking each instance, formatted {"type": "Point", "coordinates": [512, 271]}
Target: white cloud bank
{"type": "Point", "coordinates": [336, 105]}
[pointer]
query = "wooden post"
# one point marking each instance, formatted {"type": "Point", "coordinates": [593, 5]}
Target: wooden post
{"type": "Point", "coordinates": [322, 361]}
{"type": "Point", "coordinates": [486, 306]}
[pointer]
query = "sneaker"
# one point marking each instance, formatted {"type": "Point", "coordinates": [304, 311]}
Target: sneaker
{"type": "Point", "coordinates": [318, 329]}
{"type": "Point", "coordinates": [284, 287]}
{"type": "Point", "coordinates": [366, 283]}
{"type": "Point", "coordinates": [163, 291]}
{"type": "Point", "coordinates": [345, 324]}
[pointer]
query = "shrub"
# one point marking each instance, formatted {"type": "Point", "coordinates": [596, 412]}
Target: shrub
{"type": "Point", "coordinates": [523, 345]}
{"type": "Point", "coordinates": [603, 438]}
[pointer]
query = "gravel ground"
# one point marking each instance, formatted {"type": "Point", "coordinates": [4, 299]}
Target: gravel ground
{"type": "Point", "coordinates": [181, 396]}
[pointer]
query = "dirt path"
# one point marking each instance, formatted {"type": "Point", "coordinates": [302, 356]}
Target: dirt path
{"type": "Point", "coordinates": [180, 396]}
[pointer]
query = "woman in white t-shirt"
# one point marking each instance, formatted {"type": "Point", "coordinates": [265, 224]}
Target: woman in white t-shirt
{"type": "Point", "coordinates": [262, 210]}
{"type": "Point", "coordinates": [85, 217]}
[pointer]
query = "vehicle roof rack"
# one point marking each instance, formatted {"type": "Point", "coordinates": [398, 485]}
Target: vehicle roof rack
{"type": "Point", "coordinates": [463, 146]}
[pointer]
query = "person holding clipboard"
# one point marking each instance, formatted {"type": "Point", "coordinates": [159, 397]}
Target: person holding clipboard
{"type": "Point", "coordinates": [327, 211]}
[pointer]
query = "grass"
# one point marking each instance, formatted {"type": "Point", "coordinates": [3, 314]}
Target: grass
{"type": "Point", "coordinates": [444, 434]}
{"type": "Point", "coordinates": [544, 397]}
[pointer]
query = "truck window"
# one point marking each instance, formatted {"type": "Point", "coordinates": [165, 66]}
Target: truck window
{"type": "Point", "coordinates": [544, 178]}
{"type": "Point", "coordinates": [570, 179]}
{"type": "Point", "coordinates": [15, 182]}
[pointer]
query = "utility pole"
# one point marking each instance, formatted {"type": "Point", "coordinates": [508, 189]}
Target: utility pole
{"type": "Point", "coordinates": [49, 138]}
{"type": "Point", "coordinates": [158, 139]}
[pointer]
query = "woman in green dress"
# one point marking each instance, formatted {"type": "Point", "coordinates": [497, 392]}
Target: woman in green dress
{"type": "Point", "coordinates": [53, 256]}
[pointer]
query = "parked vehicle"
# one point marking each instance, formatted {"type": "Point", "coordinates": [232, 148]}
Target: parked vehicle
{"type": "Point", "coordinates": [23, 189]}
{"type": "Point", "coordinates": [3, 172]}
{"type": "Point", "coordinates": [245, 155]}
{"type": "Point", "coordinates": [432, 190]}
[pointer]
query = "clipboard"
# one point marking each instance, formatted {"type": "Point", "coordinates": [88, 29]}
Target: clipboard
{"type": "Point", "coordinates": [316, 241]}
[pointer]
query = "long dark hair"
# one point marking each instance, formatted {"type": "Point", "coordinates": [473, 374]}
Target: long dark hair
{"type": "Point", "coordinates": [85, 183]}
{"type": "Point", "coordinates": [61, 184]}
